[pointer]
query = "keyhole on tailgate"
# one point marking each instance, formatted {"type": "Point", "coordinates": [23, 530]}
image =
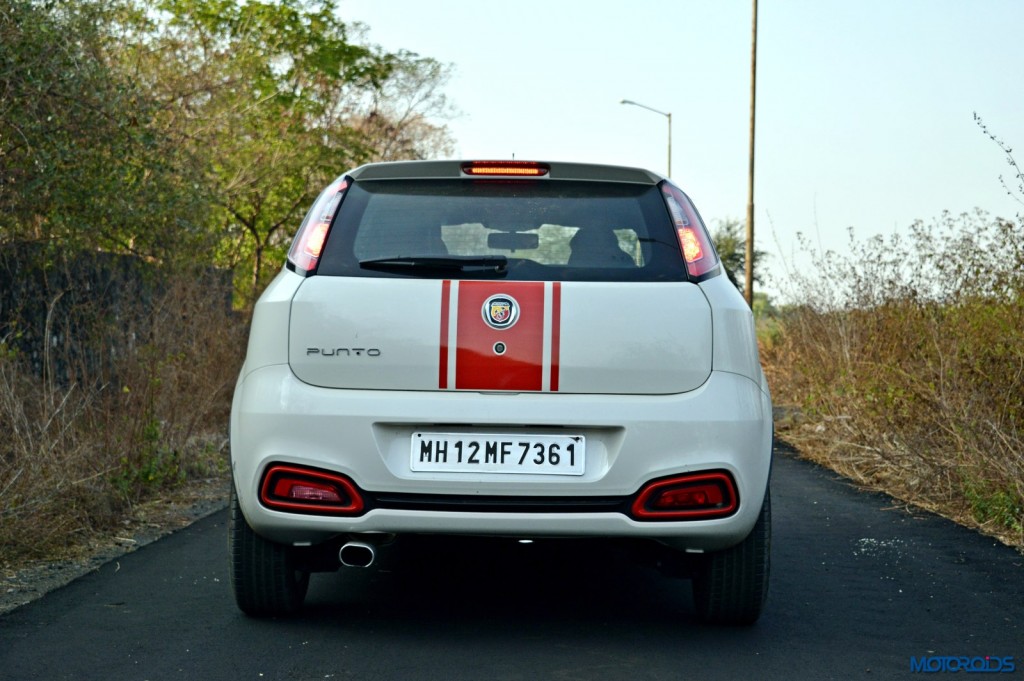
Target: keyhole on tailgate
{"type": "Point", "coordinates": [499, 348]}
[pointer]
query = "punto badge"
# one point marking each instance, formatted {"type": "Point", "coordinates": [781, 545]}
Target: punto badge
{"type": "Point", "coordinates": [500, 311]}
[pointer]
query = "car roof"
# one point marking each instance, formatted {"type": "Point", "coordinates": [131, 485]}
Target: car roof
{"type": "Point", "coordinates": [452, 169]}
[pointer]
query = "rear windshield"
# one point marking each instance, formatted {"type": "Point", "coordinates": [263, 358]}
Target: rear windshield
{"type": "Point", "coordinates": [535, 230]}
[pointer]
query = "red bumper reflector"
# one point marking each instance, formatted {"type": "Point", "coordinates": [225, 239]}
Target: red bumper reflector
{"type": "Point", "coordinates": [697, 496]}
{"type": "Point", "coordinates": [307, 490]}
{"type": "Point", "coordinates": [505, 168]}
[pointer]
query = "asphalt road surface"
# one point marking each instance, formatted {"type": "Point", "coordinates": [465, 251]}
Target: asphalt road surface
{"type": "Point", "coordinates": [860, 588]}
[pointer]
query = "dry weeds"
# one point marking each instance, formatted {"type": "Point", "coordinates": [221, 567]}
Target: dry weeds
{"type": "Point", "coordinates": [82, 449]}
{"type": "Point", "coordinates": [906, 360]}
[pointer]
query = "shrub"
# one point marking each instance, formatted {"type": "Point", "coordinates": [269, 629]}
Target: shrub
{"type": "Point", "coordinates": [907, 359]}
{"type": "Point", "coordinates": [82, 451]}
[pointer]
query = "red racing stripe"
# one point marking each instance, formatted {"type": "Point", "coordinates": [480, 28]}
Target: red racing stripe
{"type": "Point", "coordinates": [442, 378]}
{"type": "Point", "coordinates": [556, 331]}
{"type": "Point", "coordinates": [499, 359]}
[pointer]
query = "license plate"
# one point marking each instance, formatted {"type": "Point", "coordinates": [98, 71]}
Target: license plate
{"type": "Point", "coordinates": [497, 453]}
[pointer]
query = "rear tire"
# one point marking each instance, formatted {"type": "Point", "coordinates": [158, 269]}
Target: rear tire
{"type": "Point", "coordinates": [264, 574]}
{"type": "Point", "coordinates": [731, 586]}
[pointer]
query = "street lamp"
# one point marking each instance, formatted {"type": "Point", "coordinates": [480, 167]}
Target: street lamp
{"type": "Point", "coordinates": [666, 115]}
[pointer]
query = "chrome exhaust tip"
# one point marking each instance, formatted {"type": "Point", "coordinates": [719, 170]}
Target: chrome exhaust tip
{"type": "Point", "coordinates": [357, 554]}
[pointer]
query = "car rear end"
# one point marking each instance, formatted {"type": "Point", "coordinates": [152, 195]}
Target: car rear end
{"type": "Point", "coordinates": [501, 349]}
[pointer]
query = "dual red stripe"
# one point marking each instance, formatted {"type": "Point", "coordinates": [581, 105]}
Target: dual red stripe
{"type": "Point", "coordinates": [517, 358]}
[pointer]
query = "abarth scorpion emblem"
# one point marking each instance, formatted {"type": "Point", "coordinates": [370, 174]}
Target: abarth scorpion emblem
{"type": "Point", "coordinates": [500, 311]}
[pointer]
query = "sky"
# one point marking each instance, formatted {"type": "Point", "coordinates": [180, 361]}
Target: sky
{"type": "Point", "coordinates": [865, 110]}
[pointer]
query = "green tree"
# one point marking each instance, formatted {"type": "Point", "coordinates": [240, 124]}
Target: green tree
{"type": "Point", "coordinates": [79, 162]}
{"type": "Point", "coordinates": [274, 97]}
{"type": "Point", "coordinates": [730, 242]}
{"type": "Point", "coordinates": [195, 129]}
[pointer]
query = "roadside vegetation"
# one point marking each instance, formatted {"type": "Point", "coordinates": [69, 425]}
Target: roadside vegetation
{"type": "Point", "coordinates": [899, 362]}
{"type": "Point", "coordinates": [180, 140]}
{"type": "Point", "coordinates": [901, 366]}
{"type": "Point", "coordinates": [77, 455]}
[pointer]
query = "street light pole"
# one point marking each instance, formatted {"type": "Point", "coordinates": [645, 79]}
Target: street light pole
{"type": "Point", "coordinates": [666, 115]}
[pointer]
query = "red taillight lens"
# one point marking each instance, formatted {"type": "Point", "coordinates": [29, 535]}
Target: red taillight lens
{"type": "Point", "coordinates": [506, 168]}
{"type": "Point", "coordinates": [697, 496]}
{"type": "Point", "coordinates": [694, 242]}
{"type": "Point", "coordinates": [308, 490]}
{"type": "Point", "coordinates": [304, 255]}
{"type": "Point", "coordinates": [690, 244]}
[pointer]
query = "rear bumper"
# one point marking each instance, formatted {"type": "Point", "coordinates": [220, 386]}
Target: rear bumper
{"type": "Point", "coordinates": [365, 435]}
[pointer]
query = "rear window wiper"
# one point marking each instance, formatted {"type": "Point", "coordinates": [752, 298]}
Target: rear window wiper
{"type": "Point", "coordinates": [496, 264]}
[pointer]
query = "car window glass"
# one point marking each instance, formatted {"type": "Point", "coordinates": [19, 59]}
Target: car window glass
{"type": "Point", "coordinates": [549, 230]}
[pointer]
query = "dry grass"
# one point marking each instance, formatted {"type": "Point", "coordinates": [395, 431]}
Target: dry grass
{"type": "Point", "coordinates": [79, 452]}
{"type": "Point", "coordinates": [906, 360]}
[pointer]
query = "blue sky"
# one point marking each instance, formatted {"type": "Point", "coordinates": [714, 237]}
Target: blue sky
{"type": "Point", "coordinates": [864, 109]}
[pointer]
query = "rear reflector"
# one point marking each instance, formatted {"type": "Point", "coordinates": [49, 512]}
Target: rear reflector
{"type": "Point", "coordinates": [308, 490]}
{"type": "Point", "coordinates": [286, 488]}
{"type": "Point", "coordinates": [506, 168]}
{"type": "Point", "coordinates": [696, 496]}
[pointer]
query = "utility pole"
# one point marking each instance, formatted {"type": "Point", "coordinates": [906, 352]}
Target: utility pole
{"type": "Point", "coordinates": [748, 290]}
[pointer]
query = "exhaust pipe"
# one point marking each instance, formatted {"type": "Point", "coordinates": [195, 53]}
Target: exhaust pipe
{"type": "Point", "coordinates": [357, 554]}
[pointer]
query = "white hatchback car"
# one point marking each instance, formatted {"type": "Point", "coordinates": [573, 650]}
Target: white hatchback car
{"type": "Point", "coordinates": [509, 349]}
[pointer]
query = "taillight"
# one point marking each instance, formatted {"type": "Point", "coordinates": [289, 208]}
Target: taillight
{"type": "Point", "coordinates": [694, 242]}
{"type": "Point", "coordinates": [304, 255]}
{"type": "Point", "coordinates": [695, 496]}
{"type": "Point", "coordinates": [506, 168]}
{"type": "Point", "coordinates": [308, 490]}
{"type": "Point", "coordinates": [690, 244]}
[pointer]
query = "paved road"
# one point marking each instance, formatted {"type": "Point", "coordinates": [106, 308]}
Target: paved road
{"type": "Point", "coordinates": [859, 586]}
